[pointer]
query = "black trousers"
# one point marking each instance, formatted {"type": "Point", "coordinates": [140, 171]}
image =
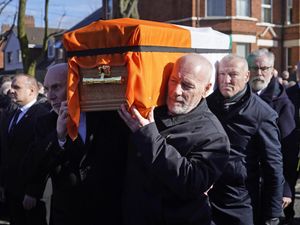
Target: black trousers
{"type": "Point", "coordinates": [19, 216]}
{"type": "Point", "coordinates": [229, 197]}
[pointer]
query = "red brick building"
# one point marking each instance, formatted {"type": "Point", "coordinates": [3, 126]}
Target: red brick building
{"type": "Point", "coordinates": [252, 24]}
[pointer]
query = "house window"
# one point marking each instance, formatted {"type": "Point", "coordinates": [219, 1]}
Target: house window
{"type": "Point", "coordinates": [51, 49]}
{"type": "Point", "coordinates": [9, 57]}
{"type": "Point", "coordinates": [242, 49]}
{"type": "Point", "coordinates": [289, 14]}
{"type": "Point", "coordinates": [19, 54]}
{"type": "Point", "coordinates": [243, 7]}
{"type": "Point", "coordinates": [266, 11]}
{"type": "Point", "coordinates": [289, 58]}
{"type": "Point", "coordinates": [216, 7]}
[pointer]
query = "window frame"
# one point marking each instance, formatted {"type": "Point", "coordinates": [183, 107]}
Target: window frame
{"type": "Point", "coordinates": [207, 4]}
{"type": "Point", "coordinates": [247, 48]}
{"type": "Point", "coordinates": [51, 49]}
{"type": "Point", "coordinates": [267, 7]}
{"type": "Point", "coordinates": [289, 11]}
{"type": "Point", "coordinates": [9, 56]}
{"type": "Point", "coordinates": [248, 8]}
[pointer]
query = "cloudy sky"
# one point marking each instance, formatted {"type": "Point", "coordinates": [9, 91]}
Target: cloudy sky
{"type": "Point", "coordinates": [69, 12]}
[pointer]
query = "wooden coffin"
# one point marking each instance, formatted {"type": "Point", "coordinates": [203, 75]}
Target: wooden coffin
{"type": "Point", "coordinates": [102, 88]}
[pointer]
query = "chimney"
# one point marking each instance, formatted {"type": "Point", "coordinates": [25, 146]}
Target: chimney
{"type": "Point", "coordinates": [29, 21]}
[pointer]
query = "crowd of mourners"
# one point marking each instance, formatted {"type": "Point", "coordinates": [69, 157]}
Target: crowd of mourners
{"type": "Point", "coordinates": [223, 155]}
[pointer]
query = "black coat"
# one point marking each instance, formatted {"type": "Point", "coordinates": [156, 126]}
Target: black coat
{"type": "Point", "coordinates": [276, 97]}
{"type": "Point", "coordinates": [294, 95]}
{"type": "Point", "coordinates": [252, 130]}
{"type": "Point", "coordinates": [14, 148]}
{"type": "Point", "coordinates": [87, 178]}
{"type": "Point", "coordinates": [171, 164]}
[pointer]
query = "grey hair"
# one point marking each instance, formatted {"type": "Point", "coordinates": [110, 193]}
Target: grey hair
{"type": "Point", "coordinates": [231, 57]}
{"type": "Point", "coordinates": [259, 53]}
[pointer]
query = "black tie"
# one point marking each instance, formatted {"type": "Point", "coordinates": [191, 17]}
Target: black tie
{"type": "Point", "coordinates": [15, 119]}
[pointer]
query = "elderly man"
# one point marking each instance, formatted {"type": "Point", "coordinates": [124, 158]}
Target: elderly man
{"type": "Point", "coordinates": [17, 134]}
{"type": "Point", "coordinates": [262, 82]}
{"type": "Point", "coordinates": [86, 185]}
{"type": "Point", "coordinates": [254, 137]}
{"type": "Point", "coordinates": [177, 153]}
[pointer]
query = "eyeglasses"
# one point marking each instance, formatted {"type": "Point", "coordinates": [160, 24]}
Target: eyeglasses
{"type": "Point", "coordinates": [263, 69]}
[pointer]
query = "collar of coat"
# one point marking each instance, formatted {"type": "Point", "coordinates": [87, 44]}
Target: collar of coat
{"type": "Point", "coordinates": [168, 120]}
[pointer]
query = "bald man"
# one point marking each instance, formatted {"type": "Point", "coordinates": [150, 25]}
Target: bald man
{"type": "Point", "coordinates": [16, 136]}
{"type": "Point", "coordinates": [177, 152]}
{"type": "Point", "coordinates": [87, 172]}
{"type": "Point", "coordinates": [255, 151]}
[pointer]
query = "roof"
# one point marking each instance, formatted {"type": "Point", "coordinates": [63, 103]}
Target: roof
{"type": "Point", "coordinates": [96, 15]}
{"type": "Point", "coordinates": [35, 35]}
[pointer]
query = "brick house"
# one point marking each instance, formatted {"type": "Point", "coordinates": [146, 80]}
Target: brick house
{"type": "Point", "coordinates": [252, 24]}
{"type": "Point", "coordinates": [10, 56]}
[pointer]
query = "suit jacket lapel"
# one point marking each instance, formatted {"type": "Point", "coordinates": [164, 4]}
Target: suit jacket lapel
{"type": "Point", "coordinates": [23, 120]}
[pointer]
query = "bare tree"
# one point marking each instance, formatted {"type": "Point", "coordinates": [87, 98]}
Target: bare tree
{"type": "Point", "coordinates": [4, 36]}
{"type": "Point", "coordinates": [29, 61]}
{"type": "Point", "coordinates": [3, 5]}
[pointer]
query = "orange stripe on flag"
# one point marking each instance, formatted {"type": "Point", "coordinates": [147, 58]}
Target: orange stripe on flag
{"type": "Point", "coordinates": [147, 71]}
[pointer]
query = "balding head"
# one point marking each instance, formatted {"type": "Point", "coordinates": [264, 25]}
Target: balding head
{"type": "Point", "coordinates": [233, 75]}
{"type": "Point", "coordinates": [200, 66]}
{"type": "Point", "coordinates": [188, 83]}
{"type": "Point", "coordinates": [55, 84]}
{"type": "Point", "coordinates": [24, 89]}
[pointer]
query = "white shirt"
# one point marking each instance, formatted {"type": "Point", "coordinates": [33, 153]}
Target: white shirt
{"type": "Point", "coordinates": [24, 110]}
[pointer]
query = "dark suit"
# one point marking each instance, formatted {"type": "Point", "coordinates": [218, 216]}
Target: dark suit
{"type": "Point", "coordinates": [251, 127]}
{"type": "Point", "coordinates": [87, 178]}
{"type": "Point", "coordinates": [14, 146]}
{"type": "Point", "coordinates": [275, 95]}
{"type": "Point", "coordinates": [294, 95]}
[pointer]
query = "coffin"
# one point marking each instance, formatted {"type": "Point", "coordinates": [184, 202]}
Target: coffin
{"type": "Point", "coordinates": [102, 88]}
{"type": "Point", "coordinates": [130, 60]}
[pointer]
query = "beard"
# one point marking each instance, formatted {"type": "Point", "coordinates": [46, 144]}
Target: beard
{"type": "Point", "coordinates": [177, 107]}
{"type": "Point", "coordinates": [257, 84]}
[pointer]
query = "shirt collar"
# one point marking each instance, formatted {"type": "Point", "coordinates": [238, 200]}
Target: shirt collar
{"type": "Point", "coordinates": [27, 106]}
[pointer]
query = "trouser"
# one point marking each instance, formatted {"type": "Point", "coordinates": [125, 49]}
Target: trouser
{"type": "Point", "coordinates": [19, 216]}
{"type": "Point", "coordinates": [230, 200]}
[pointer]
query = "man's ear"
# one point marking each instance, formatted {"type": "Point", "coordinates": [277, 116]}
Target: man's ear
{"type": "Point", "coordinates": [207, 89]}
{"type": "Point", "coordinates": [247, 77]}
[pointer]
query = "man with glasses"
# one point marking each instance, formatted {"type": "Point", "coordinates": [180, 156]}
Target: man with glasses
{"type": "Point", "coordinates": [265, 84]}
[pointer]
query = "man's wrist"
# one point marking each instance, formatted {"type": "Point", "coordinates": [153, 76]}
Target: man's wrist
{"type": "Point", "coordinates": [61, 141]}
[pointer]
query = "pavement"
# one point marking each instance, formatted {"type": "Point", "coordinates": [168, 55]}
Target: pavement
{"type": "Point", "coordinates": [297, 204]}
{"type": "Point", "coordinates": [296, 207]}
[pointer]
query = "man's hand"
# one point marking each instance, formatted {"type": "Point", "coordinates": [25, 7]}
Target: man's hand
{"type": "Point", "coordinates": [272, 221]}
{"type": "Point", "coordinates": [29, 202]}
{"type": "Point", "coordinates": [2, 194]}
{"type": "Point", "coordinates": [61, 124]}
{"type": "Point", "coordinates": [134, 120]}
{"type": "Point", "coordinates": [286, 201]}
